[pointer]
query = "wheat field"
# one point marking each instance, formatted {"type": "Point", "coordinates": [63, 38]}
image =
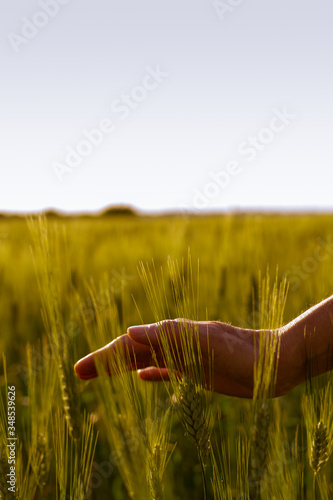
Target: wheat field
{"type": "Point", "coordinates": [70, 285]}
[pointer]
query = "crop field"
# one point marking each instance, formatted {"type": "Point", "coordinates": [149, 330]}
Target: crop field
{"type": "Point", "coordinates": [70, 285]}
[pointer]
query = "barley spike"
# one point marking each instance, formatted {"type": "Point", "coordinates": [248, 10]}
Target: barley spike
{"type": "Point", "coordinates": [319, 454]}
{"type": "Point", "coordinates": [70, 402]}
{"type": "Point", "coordinates": [260, 440]}
{"type": "Point", "coordinates": [43, 458]}
{"type": "Point", "coordinates": [193, 417]}
{"type": "Point", "coordinates": [155, 483]}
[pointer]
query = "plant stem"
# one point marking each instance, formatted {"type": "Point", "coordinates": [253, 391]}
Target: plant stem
{"type": "Point", "coordinates": [203, 478]}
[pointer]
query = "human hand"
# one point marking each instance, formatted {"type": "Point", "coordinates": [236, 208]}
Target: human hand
{"type": "Point", "coordinates": [232, 349]}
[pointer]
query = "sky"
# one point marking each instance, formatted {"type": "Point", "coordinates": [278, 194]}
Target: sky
{"type": "Point", "coordinates": [191, 105]}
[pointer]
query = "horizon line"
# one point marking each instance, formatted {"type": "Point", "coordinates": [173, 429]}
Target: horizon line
{"type": "Point", "coordinates": [135, 211]}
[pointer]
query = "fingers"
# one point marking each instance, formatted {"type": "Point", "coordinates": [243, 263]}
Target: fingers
{"type": "Point", "coordinates": [151, 335]}
{"type": "Point", "coordinates": [153, 374]}
{"type": "Point", "coordinates": [136, 356]}
{"type": "Point", "coordinates": [142, 348]}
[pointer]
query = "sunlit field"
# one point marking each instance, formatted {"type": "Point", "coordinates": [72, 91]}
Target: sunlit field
{"type": "Point", "coordinates": [70, 285]}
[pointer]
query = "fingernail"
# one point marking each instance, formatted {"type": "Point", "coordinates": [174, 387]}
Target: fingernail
{"type": "Point", "coordinates": [85, 368]}
{"type": "Point", "coordinates": [136, 331]}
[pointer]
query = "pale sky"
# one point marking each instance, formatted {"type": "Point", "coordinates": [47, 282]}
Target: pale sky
{"type": "Point", "coordinates": [200, 105]}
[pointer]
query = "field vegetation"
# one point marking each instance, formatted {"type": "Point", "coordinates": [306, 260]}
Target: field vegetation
{"type": "Point", "coordinates": [71, 285]}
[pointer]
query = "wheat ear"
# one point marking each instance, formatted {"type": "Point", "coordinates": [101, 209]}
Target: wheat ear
{"type": "Point", "coordinates": [319, 447]}
{"type": "Point", "coordinates": [70, 401]}
{"type": "Point", "coordinates": [154, 479]}
{"type": "Point", "coordinates": [43, 458]}
{"type": "Point", "coordinates": [194, 417]}
{"type": "Point", "coordinates": [262, 421]}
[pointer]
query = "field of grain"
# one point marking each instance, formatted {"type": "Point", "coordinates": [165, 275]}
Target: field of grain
{"type": "Point", "coordinates": [70, 285]}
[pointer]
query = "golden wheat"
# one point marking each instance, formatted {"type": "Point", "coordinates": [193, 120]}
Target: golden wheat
{"type": "Point", "coordinates": [151, 454]}
{"type": "Point", "coordinates": [319, 448]}
{"type": "Point", "coordinates": [194, 417]}
{"type": "Point", "coordinates": [154, 475]}
{"type": "Point", "coordinates": [43, 458]}
{"type": "Point", "coordinates": [51, 281]}
{"type": "Point", "coordinates": [71, 404]}
{"type": "Point", "coordinates": [261, 426]}
{"type": "Point", "coordinates": [270, 307]}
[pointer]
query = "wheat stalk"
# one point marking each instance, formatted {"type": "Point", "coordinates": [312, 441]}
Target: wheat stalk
{"type": "Point", "coordinates": [50, 281]}
{"type": "Point", "coordinates": [317, 410]}
{"type": "Point", "coordinates": [73, 458]}
{"type": "Point", "coordinates": [4, 493]}
{"type": "Point", "coordinates": [271, 308]}
{"type": "Point", "coordinates": [61, 447]}
{"type": "Point", "coordinates": [78, 488]}
{"type": "Point", "coordinates": [41, 394]}
{"type": "Point", "coordinates": [127, 408]}
{"type": "Point", "coordinates": [319, 448]}
{"type": "Point", "coordinates": [181, 351]}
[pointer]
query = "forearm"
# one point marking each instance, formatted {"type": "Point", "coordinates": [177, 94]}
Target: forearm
{"type": "Point", "coordinates": [307, 342]}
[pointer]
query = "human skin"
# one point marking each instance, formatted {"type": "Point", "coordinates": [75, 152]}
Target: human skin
{"type": "Point", "coordinates": [305, 341]}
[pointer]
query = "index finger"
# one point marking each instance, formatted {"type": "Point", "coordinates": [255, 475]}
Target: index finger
{"type": "Point", "coordinates": [135, 355]}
